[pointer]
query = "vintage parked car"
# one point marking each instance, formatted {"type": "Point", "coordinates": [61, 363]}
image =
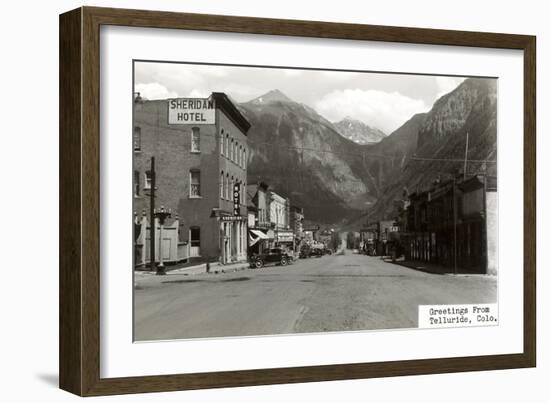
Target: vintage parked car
{"type": "Point", "coordinates": [275, 255]}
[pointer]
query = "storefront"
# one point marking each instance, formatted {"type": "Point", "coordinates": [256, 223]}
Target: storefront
{"type": "Point", "coordinates": [233, 239]}
{"type": "Point", "coordinates": [285, 239]}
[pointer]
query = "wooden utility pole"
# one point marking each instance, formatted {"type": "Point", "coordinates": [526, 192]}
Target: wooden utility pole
{"type": "Point", "coordinates": [152, 216]}
{"type": "Point", "coordinates": [455, 219]}
{"type": "Point", "coordinates": [466, 155]}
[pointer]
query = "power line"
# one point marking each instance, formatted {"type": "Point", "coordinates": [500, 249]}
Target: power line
{"type": "Point", "coordinates": [362, 154]}
{"type": "Point", "coordinates": [451, 160]}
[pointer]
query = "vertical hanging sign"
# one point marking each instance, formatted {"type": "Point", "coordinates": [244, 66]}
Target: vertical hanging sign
{"type": "Point", "coordinates": [236, 200]}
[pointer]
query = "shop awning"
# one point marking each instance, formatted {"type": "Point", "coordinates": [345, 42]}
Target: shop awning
{"type": "Point", "coordinates": [259, 234]}
{"type": "Point", "coordinates": [254, 236]}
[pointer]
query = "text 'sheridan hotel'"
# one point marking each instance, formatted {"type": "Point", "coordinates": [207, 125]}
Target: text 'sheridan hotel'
{"type": "Point", "coordinates": [191, 111]}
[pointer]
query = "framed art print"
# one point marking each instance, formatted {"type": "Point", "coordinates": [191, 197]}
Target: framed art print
{"type": "Point", "coordinates": [250, 201]}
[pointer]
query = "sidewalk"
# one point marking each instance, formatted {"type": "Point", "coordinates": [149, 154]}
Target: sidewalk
{"type": "Point", "coordinates": [432, 268]}
{"type": "Point", "coordinates": [215, 268]}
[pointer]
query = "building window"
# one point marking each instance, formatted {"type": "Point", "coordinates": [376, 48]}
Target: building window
{"type": "Point", "coordinates": [148, 180]}
{"type": "Point", "coordinates": [227, 191]}
{"type": "Point", "coordinates": [244, 159]}
{"type": "Point", "coordinates": [222, 186]}
{"type": "Point", "coordinates": [195, 189]}
{"type": "Point", "coordinates": [137, 138]}
{"type": "Point", "coordinates": [221, 143]}
{"type": "Point", "coordinates": [195, 140]}
{"type": "Point", "coordinates": [243, 193]}
{"type": "Point", "coordinates": [195, 241]}
{"type": "Point", "coordinates": [136, 183]}
{"type": "Point", "coordinates": [227, 145]}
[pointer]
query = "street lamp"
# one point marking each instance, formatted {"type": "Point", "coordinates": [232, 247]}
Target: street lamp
{"type": "Point", "coordinates": [162, 215]}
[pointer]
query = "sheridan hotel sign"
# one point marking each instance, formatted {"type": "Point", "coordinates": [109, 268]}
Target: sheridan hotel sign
{"type": "Point", "coordinates": [197, 111]}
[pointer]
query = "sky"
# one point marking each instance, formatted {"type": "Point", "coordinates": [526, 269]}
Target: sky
{"type": "Point", "coordinates": [385, 101]}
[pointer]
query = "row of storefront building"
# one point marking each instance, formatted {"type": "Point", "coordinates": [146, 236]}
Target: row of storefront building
{"type": "Point", "coordinates": [453, 225]}
{"type": "Point", "coordinates": [190, 177]}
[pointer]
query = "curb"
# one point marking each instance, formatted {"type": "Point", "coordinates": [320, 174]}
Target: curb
{"type": "Point", "coordinates": [215, 268]}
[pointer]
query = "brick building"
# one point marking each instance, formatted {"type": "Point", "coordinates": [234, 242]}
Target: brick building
{"type": "Point", "coordinates": [200, 149]}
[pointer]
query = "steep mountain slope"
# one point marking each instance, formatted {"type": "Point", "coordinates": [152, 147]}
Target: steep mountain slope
{"type": "Point", "coordinates": [301, 155]}
{"type": "Point", "coordinates": [358, 131]}
{"type": "Point", "coordinates": [386, 159]}
{"type": "Point", "coordinates": [441, 142]}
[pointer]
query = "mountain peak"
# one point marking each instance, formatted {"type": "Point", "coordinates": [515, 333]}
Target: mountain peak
{"type": "Point", "coordinates": [358, 131]}
{"type": "Point", "coordinates": [349, 119]}
{"type": "Point", "coordinates": [272, 96]}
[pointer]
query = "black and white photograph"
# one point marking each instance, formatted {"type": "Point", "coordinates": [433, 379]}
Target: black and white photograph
{"type": "Point", "coordinates": [270, 200]}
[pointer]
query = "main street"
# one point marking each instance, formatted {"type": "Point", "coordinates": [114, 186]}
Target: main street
{"type": "Point", "coordinates": [332, 293]}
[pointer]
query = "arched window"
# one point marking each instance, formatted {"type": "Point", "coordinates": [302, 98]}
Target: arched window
{"type": "Point", "coordinates": [227, 145]}
{"type": "Point", "coordinates": [244, 158]}
{"type": "Point", "coordinates": [222, 187]}
{"type": "Point", "coordinates": [227, 191]}
{"type": "Point", "coordinates": [221, 143]}
{"type": "Point", "coordinates": [243, 193]}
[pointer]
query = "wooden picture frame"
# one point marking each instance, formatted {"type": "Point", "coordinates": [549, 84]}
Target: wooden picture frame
{"type": "Point", "coordinates": [80, 187]}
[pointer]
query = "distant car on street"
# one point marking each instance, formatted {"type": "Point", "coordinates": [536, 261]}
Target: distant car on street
{"type": "Point", "coordinates": [305, 252]}
{"type": "Point", "coordinates": [317, 252]}
{"type": "Point", "coordinates": [272, 256]}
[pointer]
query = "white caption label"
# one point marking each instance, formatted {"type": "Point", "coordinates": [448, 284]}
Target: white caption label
{"type": "Point", "coordinates": [430, 316]}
